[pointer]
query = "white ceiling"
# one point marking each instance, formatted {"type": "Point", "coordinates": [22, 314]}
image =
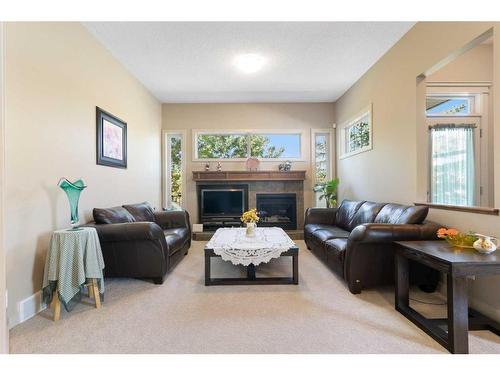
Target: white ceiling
{"type": "Point", "coordinates": [192, 62]}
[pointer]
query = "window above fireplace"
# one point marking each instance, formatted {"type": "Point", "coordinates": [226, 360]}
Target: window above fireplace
{"type": "Point", "coordinates": [269, 145]}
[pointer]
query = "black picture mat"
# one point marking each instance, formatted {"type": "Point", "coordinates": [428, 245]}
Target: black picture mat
{"type": "Point", "coordinates": [102, 115]}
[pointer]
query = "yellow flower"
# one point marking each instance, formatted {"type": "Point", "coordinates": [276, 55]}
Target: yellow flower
{"type": "Point", "coordinates": [250, 216]}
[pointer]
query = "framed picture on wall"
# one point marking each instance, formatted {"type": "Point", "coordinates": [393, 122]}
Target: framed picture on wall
{"type": "Point", "coordinates": [111, 134]}
{"type": "Point", "coordinates": [356, 134]}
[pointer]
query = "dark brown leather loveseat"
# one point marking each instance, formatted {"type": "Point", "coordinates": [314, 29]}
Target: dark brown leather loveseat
{"type": "Point", "coordinates": [137, 241]}
{"type": "Point", "coordinates": [356, 241]}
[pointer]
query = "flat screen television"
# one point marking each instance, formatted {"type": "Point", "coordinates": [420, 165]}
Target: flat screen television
{"type": "Point", "coordinates": [222, 202]}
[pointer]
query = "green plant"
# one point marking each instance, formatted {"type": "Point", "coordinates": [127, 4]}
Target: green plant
{"type": "Point", "coordinates": [328, 191]}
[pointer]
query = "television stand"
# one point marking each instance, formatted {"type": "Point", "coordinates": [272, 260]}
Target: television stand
{"type": "Point", "coordinates": [214, 224]}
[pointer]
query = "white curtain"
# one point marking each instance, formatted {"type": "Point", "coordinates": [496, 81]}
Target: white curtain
{"type": "Point", "coordinates": [452, 168]}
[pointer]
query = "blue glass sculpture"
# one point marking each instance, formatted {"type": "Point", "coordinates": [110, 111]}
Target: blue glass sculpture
{"type": "Point", "coordinates": [72, 190]}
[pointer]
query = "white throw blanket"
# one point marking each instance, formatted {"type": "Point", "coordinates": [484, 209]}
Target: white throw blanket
{"type": "Point", "coordinates": [233, 245]}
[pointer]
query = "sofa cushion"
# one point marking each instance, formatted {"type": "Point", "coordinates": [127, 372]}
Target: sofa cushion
{"type": "Point", "coordinates": [112, 215]}
{"type": "Point", "coordinates": [365, 214]}
{"type": "Point", "coordinates": [309, 229]}
{"type": "Point", "coordinates": [141, 211]}
{"type": "Point", "coordinates": [393, 213]}
{"type": "Point", "coordinates": [346, 212]}
{"type": "Point", "coordinates": [327, 233]}
{"type": "Point", "coordinates": [176, 239]}
{"type": "Point", "coordinates": [335, 254]}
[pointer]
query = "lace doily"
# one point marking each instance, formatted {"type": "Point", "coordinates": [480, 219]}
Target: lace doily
{"type": "Point", "coordinates": [233, 245]}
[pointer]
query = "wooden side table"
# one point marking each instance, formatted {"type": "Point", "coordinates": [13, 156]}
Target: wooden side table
{"type": "Point", "coordinates": [74, 260]}
{"type": "Point", "coordinates": [93, 292]}
{"type": "Point", "coordinates": [457, 264]}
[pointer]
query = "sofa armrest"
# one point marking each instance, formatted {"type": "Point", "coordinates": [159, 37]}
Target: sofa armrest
{"type": "Point", "coordinates": [172, 219]}
{"type": "Point", "coordinates": [320, 216]}
{"type": "Point", "coordinates": [377, 233]}
{"type": "Point", "coordinates": [137, 231]}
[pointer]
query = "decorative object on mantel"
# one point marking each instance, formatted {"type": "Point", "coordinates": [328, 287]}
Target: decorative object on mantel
{"type": "Point", "coordinates": [72, 190]}
{"type": "Point", "coordinates": [286, 166]}
{"type": "Point", "coordinates": [219, 166]}
{"type": "Point", "coordinates": [111, 135]}
{"type": "Point", "coordinates": [251, 218]}
{"type": "Point", "coordinates": [485, 244]}
{"type": "Point", "coordinates": [457, 239]}
{"type": "Point", "coordinates": [328, 191]}
{"type": "Point", "coordinates": [207, 166]}
{"type": "Point", "coordinates": [252, 164]}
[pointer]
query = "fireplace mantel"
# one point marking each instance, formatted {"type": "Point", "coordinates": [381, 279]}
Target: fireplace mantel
{"type": "Point", "coordinates": [249, 176]}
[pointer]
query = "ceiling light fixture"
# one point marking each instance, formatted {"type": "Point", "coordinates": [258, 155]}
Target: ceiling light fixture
{"type": "Point", "coordinates": [250, 62]}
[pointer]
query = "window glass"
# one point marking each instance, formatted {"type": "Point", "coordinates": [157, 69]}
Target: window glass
{"type": "Point", "coordinates": [358, 135]}
{"type": "Point", "coordinates": [175, 155]}
{"type": "Point", "coordinates": [221, 146]}
{"type": "Point", "coordinates": [242, 146]}
{"type": "Point", "coordinates": [321, 158]}
{"type": "Point", "coordinates": [452, 165]}
{"type": "Point", "coordinates": [274, 146]}
{"type": "Point", "coordinates": [448, 106]}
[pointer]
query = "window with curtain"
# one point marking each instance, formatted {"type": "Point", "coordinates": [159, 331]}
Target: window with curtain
{"type": "Point", "coordinates": [453, 165]}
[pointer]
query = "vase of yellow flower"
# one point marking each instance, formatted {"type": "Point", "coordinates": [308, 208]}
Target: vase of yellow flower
{"type": "Point", "coordinates": [250, 218]}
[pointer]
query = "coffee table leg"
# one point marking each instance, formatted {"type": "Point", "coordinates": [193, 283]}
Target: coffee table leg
{"type": "Point", "coordinates": [251, 272]}
{"type": "Point", "coordinates": [402, 295]}
{"type": "Point", "coordinates": [458, 318]}
{"type": "Point", "coordinates": [295, 265]}
{"type": "Point", "coordinates": [207, 269]}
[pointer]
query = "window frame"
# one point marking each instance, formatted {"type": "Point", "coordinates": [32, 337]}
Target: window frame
{"type": "Point", "coordinates": [167, 199]}
{"type": "Point", "coordinates": [344, 129]}
{"type": "Point", "coordinates": [247, 133]}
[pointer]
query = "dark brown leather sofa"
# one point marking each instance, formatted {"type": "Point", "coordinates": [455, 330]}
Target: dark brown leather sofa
{"type": "Point", "coordinates": [356, 241]}
{"type": "Point", "coordinates": [139, 242]}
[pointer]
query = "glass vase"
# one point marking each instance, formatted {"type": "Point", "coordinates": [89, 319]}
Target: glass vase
{"type": "Point", "coordinates": [72, 190]}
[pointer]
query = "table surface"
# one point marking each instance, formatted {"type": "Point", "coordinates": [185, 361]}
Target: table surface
{"type": "Point", "coordinates": [235, 237]}
{"type": "Point", "coordinates": [443, 251]}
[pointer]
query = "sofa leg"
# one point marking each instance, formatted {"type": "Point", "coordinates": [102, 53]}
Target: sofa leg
{"type": "Point", "coordinates": [355, 287]}
{"type": "Point", "coordinates": [159, 280]}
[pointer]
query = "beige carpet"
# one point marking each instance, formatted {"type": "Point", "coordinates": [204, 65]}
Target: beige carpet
{"type": "Point", "coordinates": [184, 316]}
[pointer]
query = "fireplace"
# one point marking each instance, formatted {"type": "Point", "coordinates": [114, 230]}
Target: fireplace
{"type": "Point", "coordinates": [277, 210]}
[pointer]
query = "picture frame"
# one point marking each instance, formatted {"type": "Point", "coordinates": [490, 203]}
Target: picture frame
{"type": "Point", "coordinates": [356, 135]}
{"type": "Point", "coordinates": [111, 140]}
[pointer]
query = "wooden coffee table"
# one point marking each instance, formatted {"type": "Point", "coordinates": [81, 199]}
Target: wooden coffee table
{"type": "Point", "coordinates": [457, 264]}
{"type": "Point", "coordinates": [251, 279]}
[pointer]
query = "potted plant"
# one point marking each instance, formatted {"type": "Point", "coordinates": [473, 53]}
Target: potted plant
{"type": "Point", "coordinates": [328, 190]}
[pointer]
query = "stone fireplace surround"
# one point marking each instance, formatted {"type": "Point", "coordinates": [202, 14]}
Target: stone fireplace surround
{"type": "Point", "coordinates": [274, 185]}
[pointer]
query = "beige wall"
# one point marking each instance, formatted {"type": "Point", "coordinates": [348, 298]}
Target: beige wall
{"type": "Point", "coordinates": [4, 333]}
{"type": "Point", "coordinates": [475, 65]}
{"type": "Point", "coordinates": [287, 116]}
{"type": "Point", "coordinates": [389, 172]}
{"type": "Point", "coordinates": [56, 74]}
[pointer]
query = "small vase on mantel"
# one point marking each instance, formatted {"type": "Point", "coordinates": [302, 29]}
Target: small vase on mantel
{"type": "Point", "coordinates": [251, 229]}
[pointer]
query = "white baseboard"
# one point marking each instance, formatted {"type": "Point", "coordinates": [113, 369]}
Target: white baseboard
{"type": "Point", "coordinates": [28, 308]}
